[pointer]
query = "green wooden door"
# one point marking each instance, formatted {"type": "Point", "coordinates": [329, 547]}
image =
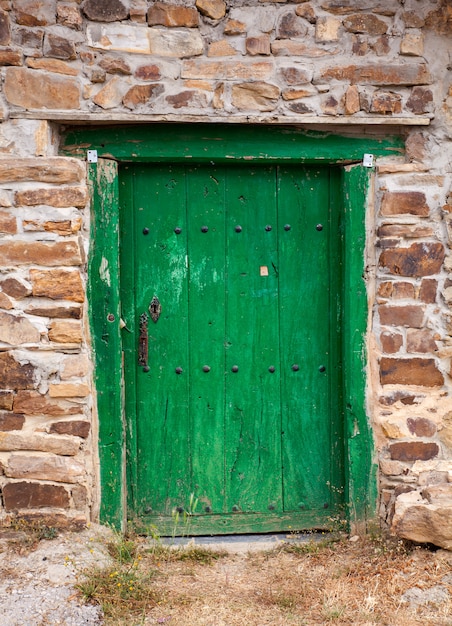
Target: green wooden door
{"type": "Point", "coordinates": [233, 395]}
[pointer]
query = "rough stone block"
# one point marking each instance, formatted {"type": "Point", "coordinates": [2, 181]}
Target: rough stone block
{"type": "Point", "coordinates": [148, 72]}
{"type": "Point", "coordinates": [327, 29]}
{"type": "Point", "coordinates": [409, 451]}
{"type": "Point", "coordinates": [413, 19]}
{"type": "Point", "coordinates": [69, 15]}
{"type": "Point", "coordinates": [5, 302]}
{"type": "Point", "coordinates": [226, 70]}
{"type": "Point", "coordinates": [59, 197]}
{"type": "Point", "coordinates": [5, 28]}
{"type": "Point", "coordinates": [257, 96]}
{"type": "Point", "coordinates": [114, 65]}
{"type": "Point", "coordinates": [420, 259]}
{"type": "Point", "coordinates": [52, 65]}
{"type": "Point", "coordinates": [68, 390]}
{"type": "Point", "coordinates": [417, 520]}
{"type": "Point", "coordinates": [65, 331]}
{"type": "Point", "coordinates": [120, 37]}
{"type": "Point", "coordinates": [365, 23]}
{"type": "Point", "coordinates": [378, 74]}
{"type": "Point", "coordinates": [428, 290]}
{"type": "Point", "coordinates": [11, 421]}
{"type": "Point", "coordinates": [112, 94]}
{"type": "Point", "coordinates": [295, 75]}
{"type": "Point", "coordinates": [352, 104]}
{"type": "Point", "coordinates": [181, 43]}
{"type": "Point", "coordinates": [234, 27]}
{"type": "Point", "coordinates": [15, 288]}
{"type": "Point", "coordinates": [29, 41]}
{"type": "Point", "coordinates": [296, 94]}
{"type": "Point", "coordinates": [36, 90]}
{"type": "Point", "coordinates": [25, 495]}
{"type": "Point", "coordinates": [34, 403]}
{"type": "Point", "coordinates": [39, 253]}
{"type": "Point", "coordinates": [386, 102]}
{"type": "Point", "coordinates": [258, 45]}
{"type": "Point", "coordinates": [17, 330]}
{"type": "Point", "coordinates": [223, 48]}
{"type": "Point", "coordinates": [74, 365]}
{"type": "Point", "coordinates": [406, 231]}
{"type": "Point", "coordinates": [170, 15]}
{"type": "Point", "coordinates": [307, 12]}
{"type": "Point", "coordinates": [421, 426]}
{"type": "Point", "coordinates": [215, 9]}
{"type": "Point", "coordinates": [59, 47]}
{"type": "Point", "coordinates": [344, 7]}
{"type": "Point", "coordinates": [410, 315]}
{"type": "Point", "coordinates": [412, 44]}
{"type": "Point", "coordinates": [64, 446]}
{"type": "Point", "coordinates": [63, 312]}
{"type": "Point", "coordinates": [415, 371]}
{"type": "Point", "coordinates": [105, 10]}
{"type": "Point", "coordinates": [141, 94]}
{"type": "Point", "coordinates": [60, 469]}
{"type": "Point", "coordinates": [57, 284]}
{"type": "Point", "coordinates": [45, 170]}
{"type": "Point", "coordinates": [420, 101]}
{"type": "Point", "coordinates": [290, 26]}
{"type": "Point", "coordinates": [187, 98]}
{"type": "Point", "coordinates": [15, 375]}
{"type": "Point", "coordinates": [79, 496]}
{"type": "Point", "coordinates": [299, 107]}
{"type": "Point", "coordinates": [35, 12]}
{"type": "Point", "coordinates": [9, 56]}
{"type": "Point", "coordinates": [403, 290]}
{"type": "Point", "coordinates": [6, 397]}
{"type": "Point", "coordinates": [420, 341]}
{"type": "Point", "coordinates": [391, 342]}
{"type": "Point", "coordinates": [8, 223]}
{"type": "Point", "coordinates": [138, 11]}
{"type": "Point", "coordinates": [76, 428]}
{"type": "Point", "coordinates": [391, 468]}
{"type": "Point", "coordinates": [294, 48]}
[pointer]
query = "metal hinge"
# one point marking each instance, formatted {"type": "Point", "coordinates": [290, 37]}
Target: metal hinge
{"type": "Point", "coordinates": [91, 156]}
{"type": "Point", "coordinates": [368, 160]}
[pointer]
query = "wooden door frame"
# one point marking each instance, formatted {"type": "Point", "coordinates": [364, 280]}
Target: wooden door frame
{"type": "Point", "coordinates": [205, 143]}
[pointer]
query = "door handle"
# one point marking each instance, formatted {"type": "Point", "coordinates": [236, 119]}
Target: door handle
{"type": "Point", "coordinates": [143, 343]}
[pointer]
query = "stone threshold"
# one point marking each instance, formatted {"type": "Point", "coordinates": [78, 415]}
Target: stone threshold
{"type": "Point", "coordinates": [74, 117]}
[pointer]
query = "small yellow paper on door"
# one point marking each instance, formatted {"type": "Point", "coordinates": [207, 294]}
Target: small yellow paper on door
{"type": "Point", "coordinates": [263, 270]}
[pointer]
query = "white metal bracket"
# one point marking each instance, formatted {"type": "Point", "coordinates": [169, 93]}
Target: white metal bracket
{"type": "Point", "coordinates": [368, 160]}
{"type": "Point", "coordinates": [91, 156]}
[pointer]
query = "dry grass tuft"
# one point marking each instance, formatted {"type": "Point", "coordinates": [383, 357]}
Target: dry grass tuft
{"type": "Point", "coordinates": [331, 583]}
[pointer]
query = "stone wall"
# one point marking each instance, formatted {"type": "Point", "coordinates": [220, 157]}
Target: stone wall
{"type": "Point", "coordinates": [362, 66]}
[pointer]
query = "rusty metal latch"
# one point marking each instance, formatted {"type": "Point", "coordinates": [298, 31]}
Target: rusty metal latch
{"type": "Point", "coordinates": [143, 343]}
{"type": "Point", "coordinates": [155, 308]}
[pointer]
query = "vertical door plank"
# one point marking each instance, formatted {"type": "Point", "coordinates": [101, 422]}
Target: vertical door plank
{"type": "Point", "coordinates": [162, 394]}
{"type": "Point", "coordinates": [206, 259]}
{"type": "Point", "coordinates": [253, 461]}
{"type": "Point", "coordinates": [104, 313]}
{"type": "Point", "coordinates": [303, 197]}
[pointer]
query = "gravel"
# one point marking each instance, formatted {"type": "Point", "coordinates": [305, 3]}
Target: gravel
{"type": "Point", "coordinates": [37, 587]}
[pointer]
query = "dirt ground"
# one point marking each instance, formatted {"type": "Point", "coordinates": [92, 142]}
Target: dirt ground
{"type": "Point", "coordinates": [96, 577]}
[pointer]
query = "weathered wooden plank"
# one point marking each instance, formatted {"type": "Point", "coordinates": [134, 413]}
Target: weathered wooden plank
{"type": "Point", "coordinates": [361, 495]}
{"type": "Point", "coordinates": [223, 143]}
{"type": "Point", "coordinates": [76, 117]}
{"type": "Point", "coordinates": [238, 523]}
{"type": "Point", "coordinates": [163, 451]}
{"type": "Point", "coordinates": [305, 257]}
{"type": "Point", "coordinates": [206, 258]}
{"type": "Point", "coordinates": [253, 417]}
{"type": "Point", "coordinates": [104, 312]}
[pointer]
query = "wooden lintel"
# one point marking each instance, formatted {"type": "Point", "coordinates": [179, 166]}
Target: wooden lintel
{"type": "Point", "coordinates": [78, 117]}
